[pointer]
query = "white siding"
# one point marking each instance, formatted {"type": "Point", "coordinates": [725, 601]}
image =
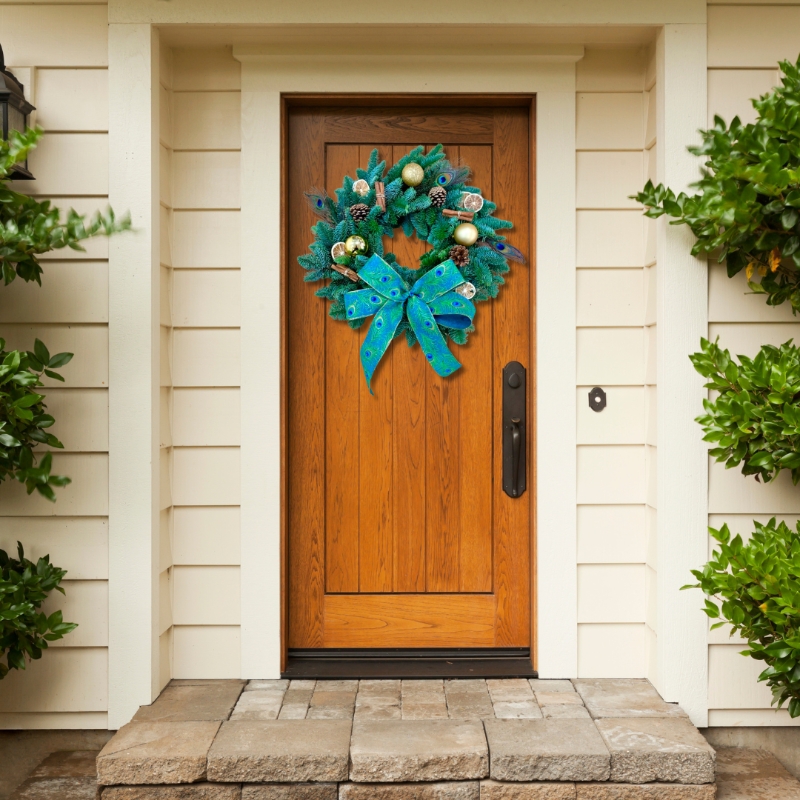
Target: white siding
{"type": "Point", "coordinates": [60, 53]}
{"type": "Point", "coordinates": [744, 44]}
{"type": "Point", "coordinates": [205, 319]}
{"type": "Point", "coordinates": [613, 308]}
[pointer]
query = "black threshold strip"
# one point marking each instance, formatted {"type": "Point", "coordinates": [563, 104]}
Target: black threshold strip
{"type": "Point", "coordinates": [410, 663]}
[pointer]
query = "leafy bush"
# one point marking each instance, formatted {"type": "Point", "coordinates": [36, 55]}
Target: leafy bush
{"type": "Point", "coordinates": [24, 630]}
{"type": "Point", "coordinates": [755, 419]}
{"type": "Point", "coordinates": [23, 419]}
{"type": "Point", "coordinates": [748, 208]}
{"type": "Point", "coordinates": [757, 586]}
{"type": "Point", "coordinates": [30, 227]}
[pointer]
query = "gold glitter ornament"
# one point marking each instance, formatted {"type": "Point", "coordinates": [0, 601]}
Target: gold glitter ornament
{"type": "Point", "coordinates": [361, 187]}
{"type": "Point", "coordinates": [466, 233]}
{"type": "Point", "coordinates": [471, 201]}
{"type": "Point", "coordinates": [355, 245]}
{"type": "Point", "coordinates": [412, 174]}
{"type": "Point", "coordinates": [339, 250]}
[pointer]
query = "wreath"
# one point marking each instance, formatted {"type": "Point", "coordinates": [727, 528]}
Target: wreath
{"type": "Point", "coordinates": [424, 194]}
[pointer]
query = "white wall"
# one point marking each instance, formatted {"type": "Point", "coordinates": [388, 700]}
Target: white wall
{"type": "Point", "coordinates": [615, 265]}
{"type": "Point", "coordinates": [60, 53]}
{"type": "Point", "coordinates": [205, 346]}
{"type": "Point", "coordinates": [744, 44]}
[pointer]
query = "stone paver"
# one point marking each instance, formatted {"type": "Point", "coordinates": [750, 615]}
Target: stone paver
{"type": "Point", "coordinates": [194, 791]}
{"type": "Point", "coordinates": [624, 698]}
{"type": "Point", "coordinates": [290, 791]}
{"type": "Point", "coordinates": [336, 703]}
{"type": "Point", "coordinates": [267, 686]}
{"type": "Point", "coordinates": [744, 774]}
{"type": "Point", "coordinates": [188, 703]}
{"type": "Point", "coordinates": [646, 791]}
{"type": "Point", "coordinates": [423, 700]}
{"type": "Point", "coordinates": [565, 712]}
{"type": "Point", "coordinates": [453, 790]}
{"type": "Point", "coordinates": [657, 749]}
{"type": "Point", "coordinates": [157, 752]}
{"type": "Point", "coordinates": [258, 705]}
{"type": "Point", "coordinates": [385, 751]}
{"type": "Point", "coordinates": [513, 699]}
{"type": "Point", "coordinates": [468, 700]}
{"type": "Point", "coordinates": [540, 685]}
{"type": "Point", "coordinates": [547, 750]}
{"type": "Point", "coordinates": [497, 790]}
{"type": "Point", "coordinates": [558, 699]}
{"type": "Point", "coordinates": [66, 775]}
{"type": "Point", "coordinates": [378, 699]}
{"type": "Point", "coordinates": [280, 751]}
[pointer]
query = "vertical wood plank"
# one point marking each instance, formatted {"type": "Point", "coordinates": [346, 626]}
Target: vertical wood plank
{"type": "Point", "coordinates": [511, 311]}
{"type": "Point", "coordinates": [443, 457]}
{"type": "Point", "coordinates": [305, 396]}
{"type": "Point", "coordinates": [476, 468]}
{"type": "Point", "coordinates": [342, 376]}
{"type": "Point", "coordinates": [375, 444]}
{"type": "Point", "coordinates": [410, 370]}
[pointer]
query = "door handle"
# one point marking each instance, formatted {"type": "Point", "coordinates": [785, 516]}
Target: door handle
{"type": "Point", "coordinates": [514, 429]}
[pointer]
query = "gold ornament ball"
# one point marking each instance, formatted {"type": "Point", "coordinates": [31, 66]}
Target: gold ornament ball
{"type": "Point", "coordinates": [355, 245]}
{"type": "Point", "coordinates": [466, 233]}
{"type": "Point", "coordinates": [412, 174]}
{"type": "Point", "coordinates": [361, 187]}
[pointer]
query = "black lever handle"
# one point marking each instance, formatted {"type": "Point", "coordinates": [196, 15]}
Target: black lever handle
{"type": "Point", "coordinates": [516, 448]}
{"type": "Point", "coordinates": [514, 429]}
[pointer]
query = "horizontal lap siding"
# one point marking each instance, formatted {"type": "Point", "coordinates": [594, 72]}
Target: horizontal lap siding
{"type": "Point", "coordinates": [744, 43]}
{"type": "Point", "coordinates": [206, 364]}
{"type": "Point", "coordinates": [612, 352]}
{"type": "Point", "coordinates": [60, 51]}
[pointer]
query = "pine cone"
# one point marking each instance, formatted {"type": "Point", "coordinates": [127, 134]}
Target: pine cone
{"type": "Point", "coordinates": [459, 255]}
{"type": "Point", "coordinates": [438, 195]}
{"type": "Point", "coordinates": [359, 212]}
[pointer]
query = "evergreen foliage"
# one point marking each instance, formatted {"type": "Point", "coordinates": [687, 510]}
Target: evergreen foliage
{"type": "Point", "coordinates": [757, 586]}
{"type": "Point", "coordinates": [409, 208]}
{"type": "Point", "coordinates": [25, 630]}
{"type": "Point", "coordinates": [747, 210]}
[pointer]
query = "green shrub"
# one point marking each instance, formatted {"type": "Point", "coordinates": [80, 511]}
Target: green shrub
{"type": "Point", "coordinates": [24, 629]}
{"type": "Point", "coordinates": [24, 420]}
{"type": "Point", "coordinates": [755, 588]}
{"type": "Point", "coordinates": [754, 420]}
{"type": "Point", "coordinates": [747, 211]}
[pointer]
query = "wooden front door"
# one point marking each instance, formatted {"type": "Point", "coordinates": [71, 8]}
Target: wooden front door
{"type": "Point", "coordinates": [399, 533]}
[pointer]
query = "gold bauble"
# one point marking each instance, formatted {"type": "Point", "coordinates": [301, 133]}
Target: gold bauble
{"type": "Point", "coordinates": [339, 250]}
{"type": "Point", "coordinates": [356, 244]}
{"type": "Point", "coordinates": [412, 174]}
{"type": "Point", "coordinates": [466, 233]}
{"type": "Point", "coordinates": [361, 187]}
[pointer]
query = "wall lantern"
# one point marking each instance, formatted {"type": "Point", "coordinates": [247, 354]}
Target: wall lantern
{"type": "Point", "coordinates": [14, 110]}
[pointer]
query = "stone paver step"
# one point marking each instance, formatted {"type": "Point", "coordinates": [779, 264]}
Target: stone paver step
{"type": "Point", "coordinates": [506, 739]}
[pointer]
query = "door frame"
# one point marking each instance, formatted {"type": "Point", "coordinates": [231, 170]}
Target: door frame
{"type": "Point", "coordinates": [271, 82]}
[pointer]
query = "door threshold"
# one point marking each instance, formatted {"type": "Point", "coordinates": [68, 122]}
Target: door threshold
{"type": "Point", "coordinates": [410, 663]}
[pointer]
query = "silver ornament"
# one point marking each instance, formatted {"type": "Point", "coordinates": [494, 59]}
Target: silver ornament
{"type": "Point", "coordinates": [466, 290]}
{"type": "Point", "coordinates": [471, 201]}
{"type": "Point", "coordinates": [361, 187]}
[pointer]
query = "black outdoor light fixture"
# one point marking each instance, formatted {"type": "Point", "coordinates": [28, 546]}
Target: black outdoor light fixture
{"type": "Point", "coordinates": [14, 110]}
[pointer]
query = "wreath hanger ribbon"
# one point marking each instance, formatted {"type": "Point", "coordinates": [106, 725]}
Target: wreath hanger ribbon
{"type": "Point", "coordinates": [428, 304]}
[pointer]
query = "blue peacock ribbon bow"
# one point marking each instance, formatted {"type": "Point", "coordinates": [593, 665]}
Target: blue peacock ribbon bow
{"type": "Point", "coordinates": [428, 302]}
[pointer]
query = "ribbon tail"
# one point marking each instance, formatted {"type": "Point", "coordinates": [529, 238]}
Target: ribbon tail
{"type": "Point", "coordinates": [379, 337]}
{"type": "Point", "coordinates": [430, 338]}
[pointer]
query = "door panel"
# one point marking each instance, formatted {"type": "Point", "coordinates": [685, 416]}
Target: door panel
{"type": "Point", "coordinates": [399, 533]}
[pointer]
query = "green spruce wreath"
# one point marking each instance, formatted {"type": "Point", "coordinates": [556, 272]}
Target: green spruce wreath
{"type": "Point", "coordinates": [418, 209]}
